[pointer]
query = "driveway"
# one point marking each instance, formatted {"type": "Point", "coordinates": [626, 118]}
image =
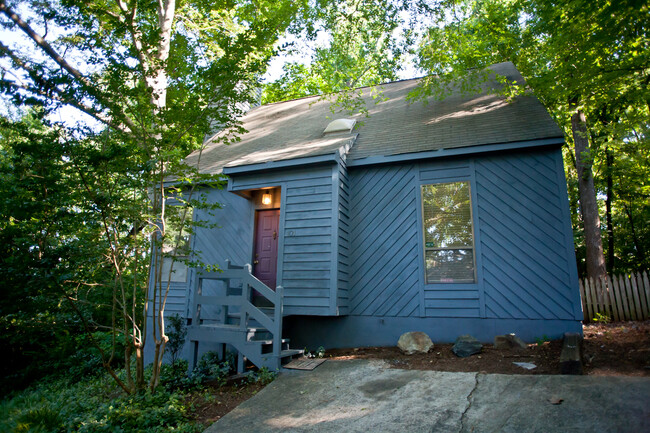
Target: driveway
{"type": "Point", "coordinates": [368, 396]}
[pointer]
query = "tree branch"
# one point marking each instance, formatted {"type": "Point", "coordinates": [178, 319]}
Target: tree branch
{"type": "Point", "coordinates": [42, 43]}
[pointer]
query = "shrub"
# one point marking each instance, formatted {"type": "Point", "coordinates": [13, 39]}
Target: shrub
{"type": "Point", "coordinates": [94, 404]}
{"type": "Point", "coordinates": [263, 376]}
{"type": "Point", "coordinates": [176, 332]}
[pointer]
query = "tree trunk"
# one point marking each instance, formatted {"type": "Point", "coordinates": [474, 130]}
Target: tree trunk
{"type": "Point", "coordinates": [588, 204]}
{"type": "Point", "coordinates": [637, 244]}
{"type": "Point", "coordinates": [608, 209]}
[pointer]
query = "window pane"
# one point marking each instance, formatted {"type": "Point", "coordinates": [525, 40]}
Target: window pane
{"type": "Point", "coordinates": [447, 215]}
{"type": "Point", "coordinates": [450, 266]}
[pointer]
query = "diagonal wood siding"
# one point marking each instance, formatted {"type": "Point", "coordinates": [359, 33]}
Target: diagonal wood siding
{"type": "Point", "coordinates": [522, 223]}
{"type": "Point", "coordinates": [384, 257]}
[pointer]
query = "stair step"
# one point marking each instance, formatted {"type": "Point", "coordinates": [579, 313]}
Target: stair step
{"type": "Point", "coordinates": [237, 314]}
{"type": "Point", "coordinates": [291, 352]}
{"type": "Point", "coordinates": [216, 333]}
{"type": "Point", "coordinates": [218, 326]}
{"type": "Point", "coordinates": [268, 341]}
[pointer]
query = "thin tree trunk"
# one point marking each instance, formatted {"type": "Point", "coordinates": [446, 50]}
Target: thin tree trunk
{"type": "Point", "coordinates": [588, 205]}
{"type": "Point", "coordinates": [637, 244]}
{"type": "Point", "coordinates": [608, 211]}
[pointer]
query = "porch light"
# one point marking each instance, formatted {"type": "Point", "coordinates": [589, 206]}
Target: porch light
{"type": "Point", "coordinates": [267, 198]}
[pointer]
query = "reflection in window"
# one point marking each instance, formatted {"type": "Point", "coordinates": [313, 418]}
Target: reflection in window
{"type": "Point", "coordinates": [448, 235]}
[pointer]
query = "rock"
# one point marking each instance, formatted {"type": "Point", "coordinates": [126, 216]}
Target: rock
{"type": "Point", "coordinates": [526, 365]}
{"type": "Point", "coordinates": [466, 345]}
{"type": "Point", "coordinates": [509, 341]}
{"type": "Point", "coordinates": [414, 342]}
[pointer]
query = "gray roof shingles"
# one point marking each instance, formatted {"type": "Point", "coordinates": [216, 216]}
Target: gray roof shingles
{"type": "Point", "coordinates": [294, 129]}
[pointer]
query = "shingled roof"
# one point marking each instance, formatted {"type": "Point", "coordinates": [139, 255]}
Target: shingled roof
{"type": "Point", "coordinates": [294, 129]}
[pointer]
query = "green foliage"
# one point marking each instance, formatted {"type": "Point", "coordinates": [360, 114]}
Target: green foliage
{"type": "Point", "coordinates": [590, 57]}
{"type": "Point", "coordinates": [367, 44]}
{"type": "Point", "coordinates": [318, 353]}
{"type": "Point", "coordinates": [541, 340]}
{"type": "Point", "coordinates": [263, 376]}
{"type": "Point", "coordinates": [50, 244]}
{"type": "Point", "coordinates": [211, 367]}
{"type": "Point", "coordinates": [177, 331]}
{"type": "Point", "coordinates": [92, 405]}
{"type": "Point", "coordinates": [602, 318]}
{"type": "Point", "coordinates": [86, 208]}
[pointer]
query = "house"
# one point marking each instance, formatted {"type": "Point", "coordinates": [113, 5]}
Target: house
{"type": "Point", "coordinates": [449, 217]}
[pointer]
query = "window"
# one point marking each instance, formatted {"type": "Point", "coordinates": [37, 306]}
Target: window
{"type": "Point", "coordinates": [448, 234]}
{"type": "Point", "coordinates": [174, 249]}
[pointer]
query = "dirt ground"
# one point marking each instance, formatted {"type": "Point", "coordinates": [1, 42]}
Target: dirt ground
{"type": "Point", "coordinates": [209, 406]}
{"type": "Point", "coordinates": [608, 349]}
{"type": "Point", "coordinates": [615, 349]}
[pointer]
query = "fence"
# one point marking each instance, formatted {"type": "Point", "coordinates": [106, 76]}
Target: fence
{"type": "Point", "coordinates": [622, 297]}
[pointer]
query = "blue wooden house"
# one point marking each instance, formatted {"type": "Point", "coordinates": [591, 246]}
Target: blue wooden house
{"type": "Point", "coordinates": [449, 218]}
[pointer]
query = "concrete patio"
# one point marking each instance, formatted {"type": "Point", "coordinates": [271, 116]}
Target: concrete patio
{"type": "Point", "coordinates": [368, 396]}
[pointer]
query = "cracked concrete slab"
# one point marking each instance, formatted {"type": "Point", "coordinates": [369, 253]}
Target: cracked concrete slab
{"type": "Point", "coordinates": [368, 396]}
{"type": "Point", "coordinates": [511, 403]}
{"type": "Point", "coordinates": [354, 396]}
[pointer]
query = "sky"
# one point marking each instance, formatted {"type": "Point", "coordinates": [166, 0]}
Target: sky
{"type": "Point", "coordinates": [71, 116]}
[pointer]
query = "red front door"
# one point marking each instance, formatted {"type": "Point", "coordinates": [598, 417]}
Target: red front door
{"type": "Point", "coordinates": [265, 252]}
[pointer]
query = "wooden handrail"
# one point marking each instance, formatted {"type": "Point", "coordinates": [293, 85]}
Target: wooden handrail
{"type": "Point", "coordinates": [248, 311]}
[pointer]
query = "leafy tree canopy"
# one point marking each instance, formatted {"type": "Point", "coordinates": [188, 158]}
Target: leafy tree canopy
{"type": "Point", "coordinates": [587, 61]}
{"type": "Point", "coordinates": [157, 77]}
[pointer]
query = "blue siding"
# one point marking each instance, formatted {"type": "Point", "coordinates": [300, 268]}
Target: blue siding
{"type": "Point", "coordinates": [231, 240]}
{"type": "Point", "coordinates": [351, 244]}
{"type": "Point", "coordinates": [527, 264]}
{"type": "Point", "coordinates": [524, 260]}
{"type": "Point", "coordinates": [307, 247]}
{"type": "Point", "coordinates": [383, 240]}
{"type": "Point", "coordinates": [343, 233]}
{"type": "Point", "coordinates": [448, 300]}
{"type": "Point", "coordinates": [176, 300]}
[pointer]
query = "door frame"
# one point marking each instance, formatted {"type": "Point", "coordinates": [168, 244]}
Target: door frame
{"type": "Point", "coordinates": [277, 249]}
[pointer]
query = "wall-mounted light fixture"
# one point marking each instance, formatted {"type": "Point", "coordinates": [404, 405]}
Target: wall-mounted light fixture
{"type": "Point", "coordinates": [267, 198]}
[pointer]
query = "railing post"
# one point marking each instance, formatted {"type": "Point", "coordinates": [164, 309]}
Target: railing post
{"type": "Point", "coordinates": [245, 295]}
{"type": "Point", "coordinates": [277, 333]}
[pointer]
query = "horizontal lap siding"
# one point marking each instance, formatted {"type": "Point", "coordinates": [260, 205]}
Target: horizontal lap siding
{"type": "Point", "coordinates": [526, 261]}
{"type": "Point", "coordinates": [306, 262]}
{"type": "Point", "coordinates": [176, 300]}
{"type": "Point", "coordinates": [231, 239]}
{"type": "Point", "coordinates": [383, 241]}
{"type": "Point", "coordinates": [449, 300]}
{"type": "Point", "coordinates": [305, 265]}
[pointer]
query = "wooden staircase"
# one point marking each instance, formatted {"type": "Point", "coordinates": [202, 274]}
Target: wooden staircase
{"type": "Point", "coordinates": [255, 332]}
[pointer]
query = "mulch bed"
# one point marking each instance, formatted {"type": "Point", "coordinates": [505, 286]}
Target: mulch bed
{"type": "Point", "coordinates": [608, 349]}
{"type": "Point", "coordinates": [210, 406]}
{"type": "Point", "coordinates": [621, 349]}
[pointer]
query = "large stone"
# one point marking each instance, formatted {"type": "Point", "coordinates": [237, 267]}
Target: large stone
{"type": "Point", "coordinates": [509, 341]}
{"type": "Point", "coordinates": [466, 345]}
{"type": "Point", "coordinates": [414, 342]}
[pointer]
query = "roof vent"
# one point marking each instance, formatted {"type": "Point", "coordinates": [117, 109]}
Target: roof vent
{"type": "Point", "coordinates": [340, 125]}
